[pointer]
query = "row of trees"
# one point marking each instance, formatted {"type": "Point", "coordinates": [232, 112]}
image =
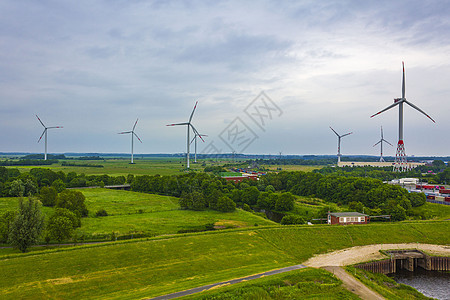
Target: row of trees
{"type": "Point", "coordinates": [200, 191]}
{"type": "Point", "coordinates": [436, 173]}
{"type": "Point", "coordinates": [27, 225]}
{"type": "Point", "coordinates": [15, 184]}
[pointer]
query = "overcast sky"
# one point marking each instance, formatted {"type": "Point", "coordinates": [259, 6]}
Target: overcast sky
{"type": "Point", "coordinates": [94, 67]}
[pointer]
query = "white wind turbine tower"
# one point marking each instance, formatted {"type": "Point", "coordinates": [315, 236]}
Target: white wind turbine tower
{"type": "Point", "coordinates": [188, 127]}
{"type": "Point", "coordinates": [381, 144]}
{"type": "Point", "coordinates": [195, 143]}
{"type": "Point", "coordinates": [132, 139]}
{"type": "Point", "coordinates": [401, 164]}
{"type": "Point", "coordinates": [339, 143]}
{"type": "Point", "coordinates": [45, 132]}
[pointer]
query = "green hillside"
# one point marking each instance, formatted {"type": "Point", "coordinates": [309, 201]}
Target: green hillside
{"type": "Point", "coordinates": [163, 265]}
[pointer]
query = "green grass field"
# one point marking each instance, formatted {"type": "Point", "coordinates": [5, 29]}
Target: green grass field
{"type": "Point", "coordinates": [433, 211]}
{"type": "Point", "coordinates": [122, 166]}
{"type": "Point", "coordinates": [306, 283]}
{"type": "Point", "coordinates": [147, 214]}
{"type": "Point", "coordinates": [135, 269]}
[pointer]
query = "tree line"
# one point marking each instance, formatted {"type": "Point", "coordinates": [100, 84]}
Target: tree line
{"type": "Point", "coordinates": [27, 225]}
{"type": "Point", "coordinates": [16, 184]}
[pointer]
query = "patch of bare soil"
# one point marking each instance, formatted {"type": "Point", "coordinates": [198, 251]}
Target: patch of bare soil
{"type": "Point", "coordinates": [359, 254]}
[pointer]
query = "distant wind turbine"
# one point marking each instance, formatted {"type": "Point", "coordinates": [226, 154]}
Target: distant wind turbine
{"type": "Point", "coordinates": [400, 157]}
{"type": "Point", "coordinates": [339, 143]}
{"type": "Point", "coordinates": [189, 126]}
{"type": "Point", "coordinates": [45, 132]}
{"type": "Point", "coordinates": [194, 140]}
{"type": "Point", "coordinates": [132, 139]}
{"type": "Point", "coordinates": [381, 144]}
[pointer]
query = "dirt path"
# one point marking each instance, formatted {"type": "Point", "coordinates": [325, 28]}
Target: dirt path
{"type": "Point", "coordinates": [371, 252]}
{"type": "Point", "coordinates": [353, 285]}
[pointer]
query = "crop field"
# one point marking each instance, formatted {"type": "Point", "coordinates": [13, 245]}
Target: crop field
{"type": "Point", "coordinates": [122, 166]}
{"type": "Point", "coordinates": [291, 168]}
{"type": "Point", "coordinates": [146, 268]}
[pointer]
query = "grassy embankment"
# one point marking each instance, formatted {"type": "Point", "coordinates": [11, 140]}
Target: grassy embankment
{"type": "Point", "coordinates": [385, 286]}
{"type": "Point", "coordinates": [306, 283]}
{"type": "Point", "coordinates": [134, 269]}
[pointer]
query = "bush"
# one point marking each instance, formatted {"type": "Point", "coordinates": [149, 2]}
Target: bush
{"type": "Point", "coordinates": [291, 220]}
{"type": "Point", "coordinates": [101, 213]}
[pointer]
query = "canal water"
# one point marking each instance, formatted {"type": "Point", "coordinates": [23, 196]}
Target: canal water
{"type": "Point", "coordinates": [430, 283]}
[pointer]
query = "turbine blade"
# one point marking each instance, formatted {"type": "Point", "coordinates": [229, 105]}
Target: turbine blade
{"type": "Point", "coordinates": [135, 124]}
{"type": "Point", "coordinates": [176, 124]}
{"type": "Point", "coordinates": [403, 83]}
{"type": "Point", "coordinates": [193, 139]}
{"type": "Point", "coordinates": [387, 142]}
{"type": "Point", "coordinates": [334, 131]}
{"type": "Point", "coordinates": [203, 135]}
{"type": "Point", "coordinates": [413, 106]}
{"type": "Point", "coordinates": [192, 114]}
{"type": "Point", "coordinates": [346, 134]}
{"type": "Point", "coordinates": [125, 132]}
{"type": "Point", "coordinates": [54, 127]}
{"type": "Point", "coordinates": [136, 136]}
{"type": "Point", "coordinates": [381, 132]}
{"type": "Point", "coordinates": [196, 132]}
{"type": "Point", "coordinates": [377, 143]}
{"type": "Point", "coordinates": [389, 107]}
{"type": "Point", "coordinates": [40, 121]}
{"type": "Point", "coordinates": [42, 134]}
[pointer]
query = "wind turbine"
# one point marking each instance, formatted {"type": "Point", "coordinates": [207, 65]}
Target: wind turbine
{"type": "Point", "coordinates": [195, 140]}
{"type": "Point", "coordinates": [339, 143]}
{"type": "Point", "coordinates": [381, 143]}
{"type": "Point", "coordinates": [132, 138]}
{"type": "Point", "coordinates": [400, 157]}
{"type": "Point", "coordinates": [189, 126]}
{"type": "Point", "coordinates": [45, 132]}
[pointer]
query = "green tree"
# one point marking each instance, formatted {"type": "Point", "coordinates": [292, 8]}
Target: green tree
{"type": "Point", "coordinates": [6, 220]}
{"type": "Point", "coordinates": [250, 195]}
{"type": "Point", "coordinates": [73, 201]}
{"type": "Point", "coordinates": [417, 199]}
{"type": "Point", "coordinates": [17, 189]}
{"type": "Point", "coordinates": [27, 226]}
{"type": "Point", "coordinates": [59, 228]}
{"type": "Point", "coordinates": [225, 204]}
{"type": "Point", "coordinates": [285, 202]}
{"type": "Point", "coordinates": [48, 196]}
{"type": "Point", "coordinates": [59, 185]}
{"type": "Point", "coordinates": [198, 201]}
{"type": "Point", "coordinates": [270, 188]}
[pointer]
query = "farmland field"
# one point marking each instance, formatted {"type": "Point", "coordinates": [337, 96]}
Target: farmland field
{"type": "Point", "coordinates": [133, 269]}
{"type": "Point", "coordinates": [121, 166]}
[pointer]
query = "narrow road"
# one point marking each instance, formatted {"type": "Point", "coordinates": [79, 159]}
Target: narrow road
{"type": "Point", "coordinates": [224, 283]}
{"type": "Point", "coordinates": [353, 285]}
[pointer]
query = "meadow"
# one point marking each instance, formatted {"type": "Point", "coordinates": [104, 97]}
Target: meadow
{"type": "Point", "coordinates": [156, 266]}
{"type": "Point", "coordinates": [121, 166]}
{"type": "Point", "coordinates": [131, 213]}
